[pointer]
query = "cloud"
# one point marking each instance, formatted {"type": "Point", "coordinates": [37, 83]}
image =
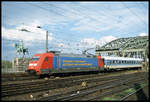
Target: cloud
{"type": "Point", "coordinates": [91, 42]}
{"type": "Point", "coordinates": [105, 19]}
{"type": "Point", "coordinates": [34, 34]}
{"type": "Point", "coordinates": [143, 34]}
{"type": "Point", "coordinates": [61, 45]}
{"type": "Point", "coordinates": [106, 39]}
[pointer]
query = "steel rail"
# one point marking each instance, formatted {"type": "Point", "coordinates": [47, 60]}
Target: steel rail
{"type": "Point", "coordinates": [99, 78]}
{"type": "Point", "coordinates": [132, 93]}
{"type": "Point", "coordinates": [112, 91]}
{"type": "Point", "coordinates": [17, 77]}
{"type": "Point", "coordinates": [74, 79]}
{"type": "Point", "coordinates": [86, 92]}
{"type": "Point", "coordinates": [43, 85]}
{"type": "Point", "coordinates": [89, 92]}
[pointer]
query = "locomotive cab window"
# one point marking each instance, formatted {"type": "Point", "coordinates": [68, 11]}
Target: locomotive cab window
{"type": "Point", "coordinates": [46, 59]}
{"type": "Point", "coordinates": [35, 58]}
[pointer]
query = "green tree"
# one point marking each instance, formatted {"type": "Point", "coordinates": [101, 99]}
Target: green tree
{"type": "Point", "coordinates": [6, 64]}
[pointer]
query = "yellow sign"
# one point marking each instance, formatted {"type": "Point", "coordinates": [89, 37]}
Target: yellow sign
{"type": "Point", "coordinates": [68, 64]}
{"type": "Point", "coordinates": [73, 61]}
{"type": "Point", "coordinates": [76, 64]}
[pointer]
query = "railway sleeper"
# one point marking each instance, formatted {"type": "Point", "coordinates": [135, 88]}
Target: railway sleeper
{"type": "Point", "coordinates": [59, 98]}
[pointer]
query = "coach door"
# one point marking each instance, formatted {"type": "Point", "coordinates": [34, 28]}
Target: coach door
{"type": "Point", "coordinates": [100, 61]}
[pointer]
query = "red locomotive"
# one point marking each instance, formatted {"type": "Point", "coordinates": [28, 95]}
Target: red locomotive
{"type": "Point", "coordinates": [53, 62]}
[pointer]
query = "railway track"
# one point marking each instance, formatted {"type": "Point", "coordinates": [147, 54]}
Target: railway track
{"type": "Point", "coordinates": [131, 95]}
{"type": "Point", "coordinates": [14, 74]}
{"type": "Point", "coordinates": [76, 95]}
{"type": "Point", "coordinates": [29, 87]}
{"type": "Point", "coordinates": [19, 78]}
{"type": "Point", "coordinates": [13, 77]}
{"type": "Point", "coordinates": [16, 77]}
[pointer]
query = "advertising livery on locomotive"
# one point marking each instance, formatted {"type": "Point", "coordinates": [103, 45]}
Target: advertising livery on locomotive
{"type": "Point", "coordinates": [53, 62]}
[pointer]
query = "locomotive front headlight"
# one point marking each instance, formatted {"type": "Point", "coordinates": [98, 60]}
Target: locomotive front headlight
{"type": "Point", "coordinates": [30, 64]}
{"type": "Point", "coordinates": [35, 64]}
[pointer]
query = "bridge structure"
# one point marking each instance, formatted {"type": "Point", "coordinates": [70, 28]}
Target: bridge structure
{"type": "Point", "coordinates": [134, 47]}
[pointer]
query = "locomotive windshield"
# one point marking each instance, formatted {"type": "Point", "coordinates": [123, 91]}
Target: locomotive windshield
{"type": "Point", "coordinates": [35, 58]}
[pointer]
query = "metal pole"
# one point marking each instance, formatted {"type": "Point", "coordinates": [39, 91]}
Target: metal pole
{"type": "Point", "coordinates": [46, 41]}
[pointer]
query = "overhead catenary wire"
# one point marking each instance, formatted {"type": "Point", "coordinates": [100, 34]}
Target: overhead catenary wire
{"type": "Point", "coordinates": [134, 14]}
{"type": "Point", "coordinates": [78, 13]}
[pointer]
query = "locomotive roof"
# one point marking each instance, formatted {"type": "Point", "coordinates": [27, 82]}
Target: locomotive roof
{"type": "Point", "coordinates": [121, 58]}
{"type": "Point", "coordinates": [72, 55]}
{"type": "Point", "coordinates": [58, 53]}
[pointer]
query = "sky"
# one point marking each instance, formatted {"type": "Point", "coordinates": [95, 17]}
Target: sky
{"type": "Point", "coordinates": [72, 26]}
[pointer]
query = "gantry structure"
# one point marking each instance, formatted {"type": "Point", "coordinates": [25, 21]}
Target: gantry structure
{"type": "Point", "coordinates": [135, 47]}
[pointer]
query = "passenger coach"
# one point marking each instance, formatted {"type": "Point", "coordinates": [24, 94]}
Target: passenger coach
{"type": "Point", "coordinates": [122, 62]}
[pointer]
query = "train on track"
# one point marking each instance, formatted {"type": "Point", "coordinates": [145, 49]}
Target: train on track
{"type": "Point", "coordinates": [56, 62]}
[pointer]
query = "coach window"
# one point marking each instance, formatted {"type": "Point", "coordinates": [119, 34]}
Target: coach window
{"type": "Point", "coordinates": [128, 62]}
{"type": "Point", "coordinates": [46, 59]}
{"type": "Point", "coordinates": [106, 62]}
{"type": "Point", "coordinates": [113, 61]}
{"type": "Point", "coordinates": [119, 62]}
{"type": "Point", "coordinates": [109, 61]}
